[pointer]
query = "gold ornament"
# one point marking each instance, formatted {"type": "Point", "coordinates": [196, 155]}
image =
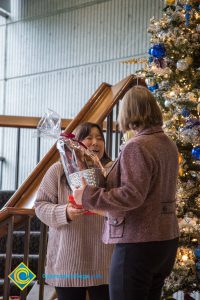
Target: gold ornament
{"type": "Point", "coordinates": [180, 158]}
{"type": "Point", "coordinates": [170, 2]}
{"type": "Point", "coordinates": [189, 60]}
{"type": "Point", "coordinates": [184, 256]}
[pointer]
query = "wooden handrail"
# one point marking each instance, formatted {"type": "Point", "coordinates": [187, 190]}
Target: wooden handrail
{"type": "Point", "coordinates": [95, 110]}
{"type": "Point", "coordinates": [32, 122]}
{"type": "Point", "coordinates": [25, 122]}
{"type": "Point", "coordinates": [7, 212]}
{"type": "Point", "coordinates": [11, 211]}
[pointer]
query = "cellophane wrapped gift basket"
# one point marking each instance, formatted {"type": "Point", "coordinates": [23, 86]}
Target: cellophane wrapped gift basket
{"type": "Point", "coordinates": [77, 160]}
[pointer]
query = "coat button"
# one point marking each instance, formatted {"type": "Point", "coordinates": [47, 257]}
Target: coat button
{"type": "Point", "coordinates": [115, 222]}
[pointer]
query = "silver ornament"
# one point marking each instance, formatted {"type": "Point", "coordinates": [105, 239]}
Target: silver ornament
{"type": "Point", "coordinates": [182, 65]}
{"type": "Point", "coordinates": [167, 103]}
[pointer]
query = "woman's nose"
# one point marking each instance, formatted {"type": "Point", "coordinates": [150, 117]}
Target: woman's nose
{"type": "Point", "coordinates": [94, 141]}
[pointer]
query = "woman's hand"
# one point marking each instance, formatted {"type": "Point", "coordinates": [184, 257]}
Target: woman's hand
{"type": "Point", "coordinates": [99, 212]}
{"type": "Point", "coordinates": [73, 212]}
{"type": "Point", "coordinates": [78, 193]}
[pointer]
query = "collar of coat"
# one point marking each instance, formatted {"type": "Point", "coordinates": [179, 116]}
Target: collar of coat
{"type": "Point", "coordinates": [149, 130]}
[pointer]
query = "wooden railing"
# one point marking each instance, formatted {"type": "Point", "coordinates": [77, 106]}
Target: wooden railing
{"type": "Point", "coordinates": [25, 122]}
{"type": "Point", "coordinates": [102, 105]}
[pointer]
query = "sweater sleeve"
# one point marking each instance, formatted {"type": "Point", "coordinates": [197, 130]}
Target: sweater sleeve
{"type": "Point", "coordinates": [135, 177]}
{"type": "Point", "coordinates": [47, 208]}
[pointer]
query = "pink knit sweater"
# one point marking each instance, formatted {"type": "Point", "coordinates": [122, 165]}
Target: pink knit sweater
{"type": "Point", "coordinates": [76, 255]}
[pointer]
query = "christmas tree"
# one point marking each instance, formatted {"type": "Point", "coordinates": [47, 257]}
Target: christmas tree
{"type": "Point", "coordinates": [172, 73]}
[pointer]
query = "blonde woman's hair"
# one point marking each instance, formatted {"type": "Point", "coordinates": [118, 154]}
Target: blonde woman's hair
{"type": "Point", "coordinates": [139, 109]}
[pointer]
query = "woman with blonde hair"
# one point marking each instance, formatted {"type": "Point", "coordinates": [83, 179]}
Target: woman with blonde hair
{"type": "Point", "coordinates": [139, 202]}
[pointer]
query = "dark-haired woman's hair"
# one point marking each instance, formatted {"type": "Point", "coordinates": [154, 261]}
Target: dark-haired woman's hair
{"type": "Point", "coordinates": [84, 129]}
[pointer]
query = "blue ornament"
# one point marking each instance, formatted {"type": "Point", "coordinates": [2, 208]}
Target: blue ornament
{"type": "Point", "coordinates": [153, 88]}
{"type": "Point", "coordinates": [158, 50]}
{"type": "Point", "coordinates": [197, 252]}
{"type": "Point", "coordinates": [188, 7]}
{"type": "Point", "coordinates": [196, 152]}
{"type": "Point", "coordinates": [185, 112]}
{"type": "Point", "coordinates": [199, 7]}
{"type": "Point", "coordinates": [187, 16]}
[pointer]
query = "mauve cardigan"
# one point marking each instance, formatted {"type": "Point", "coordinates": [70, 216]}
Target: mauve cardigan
{"type": "Point", "coordinates": [140, 194]}
{"type": "Point", "coordinates": [76, 255]}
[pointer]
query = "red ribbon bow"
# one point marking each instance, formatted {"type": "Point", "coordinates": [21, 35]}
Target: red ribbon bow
{"type": "Point", "coordinates": [71, 136]}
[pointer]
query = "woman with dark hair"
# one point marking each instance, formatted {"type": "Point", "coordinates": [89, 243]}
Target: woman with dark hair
{"type": "Point", "coordinates": [77, 260]}
{"type": "Point", "coordinates": [85, 133]}
{"type": "Point", "coordinates": [139, 202]}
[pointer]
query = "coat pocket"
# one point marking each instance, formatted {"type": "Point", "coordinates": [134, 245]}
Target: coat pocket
{"type": "Point", "coordinates": [116, 227]}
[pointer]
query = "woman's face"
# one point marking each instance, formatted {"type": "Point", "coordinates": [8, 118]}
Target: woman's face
{"type": "Point", "coordinates": [94, 142]}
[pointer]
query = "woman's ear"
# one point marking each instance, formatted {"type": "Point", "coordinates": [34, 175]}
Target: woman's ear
{"type": "Point", "coordinates": [131, 126]}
